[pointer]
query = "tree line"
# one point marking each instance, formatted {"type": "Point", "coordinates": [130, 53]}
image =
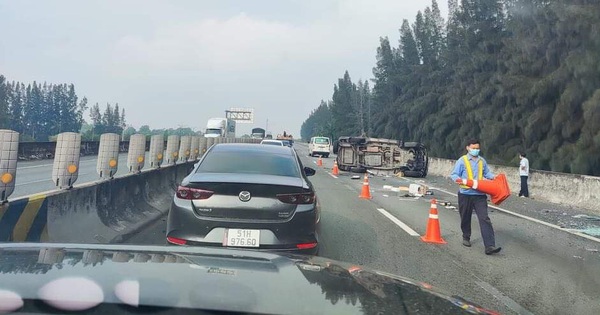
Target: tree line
{"type": "Point", "coordinates": [38, 111]}
{"type": "Point", "coordinates": [111, 120]}
{"type": "Point", "coordinates": [517, 74]}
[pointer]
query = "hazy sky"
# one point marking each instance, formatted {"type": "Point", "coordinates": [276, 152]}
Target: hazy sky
{"type": "Point", "coordinates": [178, 63]}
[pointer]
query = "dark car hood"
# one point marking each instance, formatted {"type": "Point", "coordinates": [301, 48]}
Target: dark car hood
{"type": "Point", "coordinates": [222, 279]}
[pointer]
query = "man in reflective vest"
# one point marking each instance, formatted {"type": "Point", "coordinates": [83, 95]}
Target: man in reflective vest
{"type": "Point", "coordinates": [469, 199]}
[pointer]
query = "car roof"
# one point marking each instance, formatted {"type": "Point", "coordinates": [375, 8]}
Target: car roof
{"type": "Point", "coordinates": [272, 141]}
{"type": "Point", "coordinates": [246, 147]}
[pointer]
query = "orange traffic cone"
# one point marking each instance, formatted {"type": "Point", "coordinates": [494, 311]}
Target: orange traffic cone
{"type": "Point", "coordinates": [320, 161]}
{"type": "Point", "coordinates": [497, 188]}
{"type": "Point", "coordinates": [433, 233]}
{"type": "Point", "coordinates": [335, 170]}
{"type": "Point", "coordinates": [366, 191]}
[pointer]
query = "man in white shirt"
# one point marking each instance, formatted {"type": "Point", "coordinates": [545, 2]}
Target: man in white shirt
{"type": "Point", "coordinates": [524, 172]}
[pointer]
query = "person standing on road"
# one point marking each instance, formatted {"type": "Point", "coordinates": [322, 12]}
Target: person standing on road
{"type": "Point", "coordinates": [524, 172]}
{"type": "Point", "coordinates": [470, 199]}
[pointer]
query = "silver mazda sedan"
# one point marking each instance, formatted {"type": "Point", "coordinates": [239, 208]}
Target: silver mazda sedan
{"type": "Point", "coordinates": [247, 196]}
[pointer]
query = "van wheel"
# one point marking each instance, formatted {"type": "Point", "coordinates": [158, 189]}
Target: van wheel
{"type": "Point", "coordinates": [326, 155]}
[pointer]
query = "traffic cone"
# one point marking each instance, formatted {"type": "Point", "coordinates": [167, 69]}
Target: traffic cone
{"type": "Point", "coordinates": [433, 233]}
{"type": "Point", "coordinates": [366, 191]}
{"type": "Point", "coordinates": [320, 161]}
{"type": "Point", "coordinates": [335, 170]}
{"type": "Point", "coordinates": [497, 188]}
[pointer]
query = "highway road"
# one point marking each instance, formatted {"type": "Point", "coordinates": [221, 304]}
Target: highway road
{"type": "Point", "coordinates": [36, 176]}
{"type": "Point", "coordinates": [541, 269]}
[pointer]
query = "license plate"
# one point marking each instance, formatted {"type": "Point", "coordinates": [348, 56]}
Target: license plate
{"type": "Point", "coordinates": [242, 238]}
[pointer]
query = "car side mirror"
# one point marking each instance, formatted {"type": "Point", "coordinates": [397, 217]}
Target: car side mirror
{"type": "Point", "coordinates": [309, 171]}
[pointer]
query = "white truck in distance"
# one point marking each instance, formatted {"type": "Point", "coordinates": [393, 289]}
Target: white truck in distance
{"type": "Point", "coordinates": [220, 127]}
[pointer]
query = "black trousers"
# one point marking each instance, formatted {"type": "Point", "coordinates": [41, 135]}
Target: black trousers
{"type": "Point", "coordinates": [524, 189]}
{"type": "Point", "coordinates": [466, 205]}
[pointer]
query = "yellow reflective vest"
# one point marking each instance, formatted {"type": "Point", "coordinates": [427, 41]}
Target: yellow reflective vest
{"type": "Point", "coordinates": [470, 170]}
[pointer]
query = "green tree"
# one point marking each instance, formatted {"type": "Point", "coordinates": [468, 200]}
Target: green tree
{"type": "Point", "coordinates": [145, 130]}
{"type": "Point", "coordinates": [344, 111]}
{"type": "Point", "coordinates": [16, 106]}
{"type": "Point", "coordinates": [33, 113]}
{"type": "Point", "coordinates": [386, 89]}
{"type": "Point", "coordinates": [318, 123]}
{"type": "Point", "coordinates": [4, 96]}
{"type": "Point", "coordinates": [128, 132]}
{"type": "Point", "coordinates": [408, 45]}
{"type": "Point", "coordinates": [123, 122]}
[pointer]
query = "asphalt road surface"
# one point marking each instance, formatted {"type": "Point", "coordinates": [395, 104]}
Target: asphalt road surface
{"type": "Point", "coordinates": [541, 269]}
{"type": "Point", "coordinates": [36, 176]}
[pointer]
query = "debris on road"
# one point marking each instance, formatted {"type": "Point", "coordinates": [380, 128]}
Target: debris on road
{"type": "Point", "coordinates": [578, 257]}
{"type": "Point", "coordinates": [587, 217]}
{"type": "Point", "coordinates": [592, 250]}
{"type": "Point", "coordinates": [413, 189]}
{"type": "Point", "coordinates": [591, 231]}
{"type": "Point", "coordinates": [386, 196]}
{"type": "Point", "coordinates": [355, 177]}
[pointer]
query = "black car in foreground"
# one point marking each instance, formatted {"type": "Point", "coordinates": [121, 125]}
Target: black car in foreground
{"type": "Point", "coordinates": [247, 196]}
{"type": "Point", "coordinates": [131, 279]}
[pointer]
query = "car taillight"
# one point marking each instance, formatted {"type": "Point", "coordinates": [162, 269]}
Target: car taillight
{"type": "Point", "coordinates": [297, 199]}
{"type": "Point", "coordinates": [176, 241]}
{"type": "Point", "coordinates": [306, 245]}
{"type": "Point", "coordinates": [193, 193]}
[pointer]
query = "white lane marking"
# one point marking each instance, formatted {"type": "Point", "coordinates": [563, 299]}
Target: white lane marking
{"type": "Point", "coordinates": [44, 165]}
{"type": "Point", "coordinates": [35, 166]}
{"type": "Point", "coordinates": [349, 187]}
{"type": "Point", "coordinates": [35, 181]}
{"type": "Point", "coordinates": [42, 180]}
{"type": "Point", "coordinates": [510, 303]}
{"type": "Point", "coordinates": [550, 225]}
{"type": "Point", "coordinates": [332, 175]}
{"type": "Point", "coordinates": [399, 223]}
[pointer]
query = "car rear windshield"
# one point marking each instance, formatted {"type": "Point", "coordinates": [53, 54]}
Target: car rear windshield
{"type": "Point", "coordinates": [272, 143]}
{"type": "Point", "coordinates": [321, 140]}
{"type": "Point", "coordinates": [250, 163]}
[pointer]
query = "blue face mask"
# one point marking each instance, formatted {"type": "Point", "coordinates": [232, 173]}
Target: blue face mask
{"type": "Point", "coordinates": [474, 152]}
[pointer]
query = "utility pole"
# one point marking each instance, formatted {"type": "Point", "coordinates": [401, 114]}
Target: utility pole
{"type": "Point", "coordinates": [267, 126]}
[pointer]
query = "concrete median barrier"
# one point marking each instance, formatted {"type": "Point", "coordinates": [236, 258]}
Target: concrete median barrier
{"type": "Point", "coordinates": [97, 212]}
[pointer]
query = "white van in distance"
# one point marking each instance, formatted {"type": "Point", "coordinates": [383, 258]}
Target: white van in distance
{"type": "Point", "coordinates": [319, 146]}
